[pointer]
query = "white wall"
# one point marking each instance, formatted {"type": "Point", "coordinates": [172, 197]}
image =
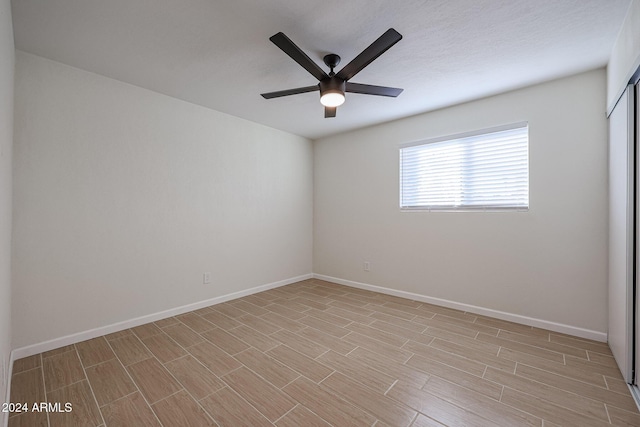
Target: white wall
{"type": "Point", "coordinates": [124, 197]}
{"type": "Point", "coordinates": [7, 61]}
{"type": "Point", "coordinates": [549, 263]}
{"type": "Point", "coordinates": [625, 56]}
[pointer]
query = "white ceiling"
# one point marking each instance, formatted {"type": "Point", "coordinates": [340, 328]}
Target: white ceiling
{"type": "Point", "coordinates": [217, 53]}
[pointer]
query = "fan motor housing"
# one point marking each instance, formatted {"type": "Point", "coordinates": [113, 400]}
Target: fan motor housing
{"type": "Point", "coordinates": [333, 84]}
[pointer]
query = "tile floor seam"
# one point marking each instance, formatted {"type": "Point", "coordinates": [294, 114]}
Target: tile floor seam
{"type": "Point", "coordinates": [333, 371]}
{"type": "Point", "coordinates": [606, 408]}
{"type": "Point", "coordinates": [575, 411]}
{"type": "Point", "coordinates": [533, 345]}
{"type": "Point", "coordinates": [588, 351]}
{"type": "Point", "coordinates": [593, 399]}
{"type": "Point", "coordinates": [86, 377]}
{"type": "Point", "coordinates": [347, 354]}
{"type": "Point", "coordinates": [181, 390]}
{"type": "Point", "coordinates": [183, 386]}
{"type": "Point", "coordinates": [455, 356]}
{"type": "Point", "coordinates": [175, 342]}
{"type": "Point", "coordinates": [280, 388]}
{"type": "Point", "coordinates": [53, 355]}
{"type": "Point", "coordinates": [320, 355]}
{"type": "Point", "coordinates": [346, 400]}
{"type": "Point", "coordinates": [213, 392]}
{"type": "Point", "coordinates": [246, 401]}
{"type": "Point", "coordinates": [153, 356]}
{"type": "Point", "coordinates": [275, 422]}
{"type": "Point", "coordinates": [67, 385]}
{"type": "Point", "coordinates": [95, 364]}
{"type": "Point", "coordinates": [26, 370]}
{"type": "Point", "coordinates": [187, 326]}
{"type": "Point", "coordinates": [390, 387]}
{"type": "Point", "coordinates": [560, 375]}
{"type": "Point", "coordinates": [316, 414]}
{"type": "Point", "coordinates": [240, 339]}
{"type": "Point", "coordinates": [413, 420]}
{"type": "Point", "coordinates": [456, 404]}
{"type": "Point", "coordinates": [168, 396]}
{"type": "Point", "coordinates": [265, 379]}
{"type": "Point", "coordinates": [118, 399]}
{"type": "Point", "coordinates": [515, 408]}
{"type": "Point", "coordinates": [230, 372]}
{"type": "Point", "coordinates": [124, 368]}
{"type": "Point", "coordinates": [44, 387]}
{"type": "Point", "coordinates": [485, 371]}
{"type": "Point", "coordinates": [261, 317]}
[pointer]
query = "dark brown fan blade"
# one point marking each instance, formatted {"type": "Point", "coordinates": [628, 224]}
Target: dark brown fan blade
{"type": "Point", "coordinates": [288, 47]}
{"type": "Point", "coordinates": [373, 90]}
{"type": "Point", "coordinates": [377, 48]}
{"type": "Point", "coordinates": [290, 92]}
{"type": "Point", "coordinates": [330, 112]}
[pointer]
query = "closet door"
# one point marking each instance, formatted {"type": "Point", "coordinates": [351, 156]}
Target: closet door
{"type": "Point", "coordinates": [621, 233]}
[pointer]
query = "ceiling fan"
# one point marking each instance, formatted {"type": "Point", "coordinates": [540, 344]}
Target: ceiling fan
{"type": "Point", "coordinates": [333, 86]}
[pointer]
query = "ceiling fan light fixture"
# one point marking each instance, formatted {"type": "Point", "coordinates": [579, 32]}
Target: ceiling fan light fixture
{"type": "Point", "coordinates": [332, 99]}
{"type": "Point", "coordinates": [332, 92]}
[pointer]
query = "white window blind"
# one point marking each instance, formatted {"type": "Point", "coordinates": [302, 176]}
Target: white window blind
{"type": "Point", "coordinates": [483, 170]}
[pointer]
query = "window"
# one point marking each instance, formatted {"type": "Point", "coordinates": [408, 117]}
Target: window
{"type": "Point", "coordinates": [485, 170]}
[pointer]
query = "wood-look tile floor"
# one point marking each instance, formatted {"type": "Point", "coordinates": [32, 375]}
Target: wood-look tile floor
{"type": "Point", "coordinates": [318, 354]}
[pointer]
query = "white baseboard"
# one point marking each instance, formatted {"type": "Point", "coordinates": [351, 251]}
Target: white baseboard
{"type": "Point", "coordinates": [30, 350]}
{"type": "Point", "coordinates": [529, 321]}
{"type": "Point", "coordinates": [635, 393]}
{"type": "Point", "coordinates": [115, 327]}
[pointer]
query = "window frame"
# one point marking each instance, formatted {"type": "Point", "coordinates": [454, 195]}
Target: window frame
{"type": "Point", "coordinates": [462, 207]}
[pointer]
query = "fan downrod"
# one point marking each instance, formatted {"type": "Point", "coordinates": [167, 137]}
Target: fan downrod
{"type": "Point", "coordinates": [331, 60]}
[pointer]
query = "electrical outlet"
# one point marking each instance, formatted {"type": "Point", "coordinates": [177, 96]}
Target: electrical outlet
{"type": "Point", "coordinates": [206, 278]}
{"type": "Point", "coordinates": [367, 266]}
